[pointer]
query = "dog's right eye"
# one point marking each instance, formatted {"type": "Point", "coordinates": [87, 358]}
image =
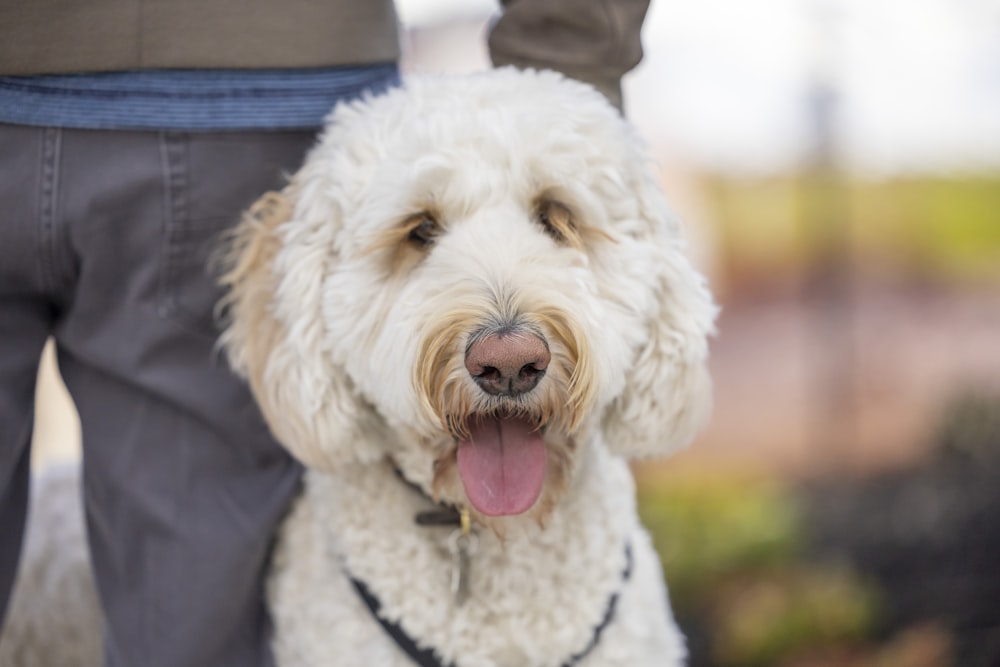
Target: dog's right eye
{"type": "Point", "coordinates": [423, 229]}
{"type": "Point", "coordinates": [557, 219]}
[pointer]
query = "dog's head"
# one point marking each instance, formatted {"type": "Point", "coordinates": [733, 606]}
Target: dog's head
{"type": "Point", "coordinates": [473, 276]}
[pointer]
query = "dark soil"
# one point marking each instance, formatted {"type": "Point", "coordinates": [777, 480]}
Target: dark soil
{"type": "Point", "coordinates": [928, 537]}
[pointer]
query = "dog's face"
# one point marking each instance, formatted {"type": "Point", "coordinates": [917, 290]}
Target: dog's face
{"type": "Point", "coordinates": [474, 277]}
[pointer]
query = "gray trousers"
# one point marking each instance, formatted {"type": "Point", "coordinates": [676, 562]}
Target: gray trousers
{"type": "Point", "coordinates": [104, 237]}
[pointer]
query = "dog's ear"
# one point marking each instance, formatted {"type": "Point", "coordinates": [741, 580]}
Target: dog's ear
{"type": "Point", "coordinates": [667, 394]}
{"type": "Point", "coordinates": [274, 334]}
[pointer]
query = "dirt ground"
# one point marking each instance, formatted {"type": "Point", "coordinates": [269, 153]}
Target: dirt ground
{"type": "Point", "coordinates": [812, 389]}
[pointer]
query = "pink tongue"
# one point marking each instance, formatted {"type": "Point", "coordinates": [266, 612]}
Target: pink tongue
{"type": "Point", "coordinates": [502, 465]}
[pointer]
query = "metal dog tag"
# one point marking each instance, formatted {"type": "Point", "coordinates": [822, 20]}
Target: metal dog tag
{"type": "Point", "coordinates": [462, 544]}
{"type": "Point", "coordinates": [460, 569]}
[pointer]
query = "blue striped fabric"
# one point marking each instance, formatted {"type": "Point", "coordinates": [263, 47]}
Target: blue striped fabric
{"type": "Point", "coordinates": [188, 99]}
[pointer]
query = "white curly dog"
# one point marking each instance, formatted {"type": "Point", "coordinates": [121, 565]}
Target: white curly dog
{"type": "Point", "coordinates": [464, 314]}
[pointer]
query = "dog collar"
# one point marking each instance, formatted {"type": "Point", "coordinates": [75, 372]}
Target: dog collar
{"type": "Point", "coordinates": [426, 657]}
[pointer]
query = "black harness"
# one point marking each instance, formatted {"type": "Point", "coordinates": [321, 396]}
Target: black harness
{"type": "Point", "coordinates": [425, 656]}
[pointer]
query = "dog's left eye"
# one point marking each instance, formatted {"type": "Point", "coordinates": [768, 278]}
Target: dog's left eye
{"type": "Point", "coordinates": [423, 229]}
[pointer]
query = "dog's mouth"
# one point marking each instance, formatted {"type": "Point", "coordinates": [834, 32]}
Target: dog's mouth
{"type": "Point", "coordinates": [502, 461]}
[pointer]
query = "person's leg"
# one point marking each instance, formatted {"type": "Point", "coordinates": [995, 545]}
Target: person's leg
{"type": "Point", "coordinates": [25, 318]}
{"type": "Point", "coordinates": [184, 486]}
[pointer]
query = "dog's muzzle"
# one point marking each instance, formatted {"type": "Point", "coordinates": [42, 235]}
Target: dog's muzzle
{"type": "Point", "coordinates": [506, 390]}
{"type": "Point", "coordinates": [503, 460]}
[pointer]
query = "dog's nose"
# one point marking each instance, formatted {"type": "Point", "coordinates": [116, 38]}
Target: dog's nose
{"type": "Point", "coordinates": [507, 364]}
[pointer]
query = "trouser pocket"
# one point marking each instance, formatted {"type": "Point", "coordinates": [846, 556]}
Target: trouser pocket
{"type": "Point", "coordinates": [210, 180]}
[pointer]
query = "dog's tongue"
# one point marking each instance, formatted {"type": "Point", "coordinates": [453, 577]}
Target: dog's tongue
{"type": "Point", "coordinates": [502, 465]}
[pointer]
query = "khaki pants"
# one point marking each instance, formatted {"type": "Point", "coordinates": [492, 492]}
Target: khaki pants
{"type": "Point", "coordinates": [104, 241]}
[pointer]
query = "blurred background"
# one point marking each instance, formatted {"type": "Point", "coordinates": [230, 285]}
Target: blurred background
{"type": "Point", "coordinates": [836, 165]}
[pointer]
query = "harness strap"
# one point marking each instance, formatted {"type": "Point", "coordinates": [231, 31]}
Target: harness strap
{"type": "Point", "coordinates": [426, 657]}
{"type": "Point", "coordinates": [609, 613]}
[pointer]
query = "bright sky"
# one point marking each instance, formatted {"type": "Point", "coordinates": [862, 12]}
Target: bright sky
{"type": "Point", "coordinates": [725, 84]}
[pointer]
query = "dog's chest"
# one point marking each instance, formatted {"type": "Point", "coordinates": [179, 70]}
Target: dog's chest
{"type": "Point", "coordinates": [534, 599]}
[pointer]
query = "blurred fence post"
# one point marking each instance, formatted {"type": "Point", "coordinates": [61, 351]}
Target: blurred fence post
{"type": "Point", "coordinates": [828, 281]}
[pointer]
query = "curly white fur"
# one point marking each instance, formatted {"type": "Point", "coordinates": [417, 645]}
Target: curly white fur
{"type": "Point", "coordinates": [361, 371]}
{"type": "Point", "coordinates": [496, 201]}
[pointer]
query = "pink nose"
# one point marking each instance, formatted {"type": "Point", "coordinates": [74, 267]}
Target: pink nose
{"type": "Point", "coordinates": [507, 364]}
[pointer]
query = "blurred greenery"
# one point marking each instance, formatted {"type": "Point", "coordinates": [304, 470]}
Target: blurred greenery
{"type": "Point", "coordinates": [749, 583]}
{"type": "Point", "coordinates": [944, 229]}
{"type": "Point", "coordinates": [775, 615]}
{"type": "Point", "coordinates": [733, 550]}
{"type": "Point", "coordinates": [705, 527]}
